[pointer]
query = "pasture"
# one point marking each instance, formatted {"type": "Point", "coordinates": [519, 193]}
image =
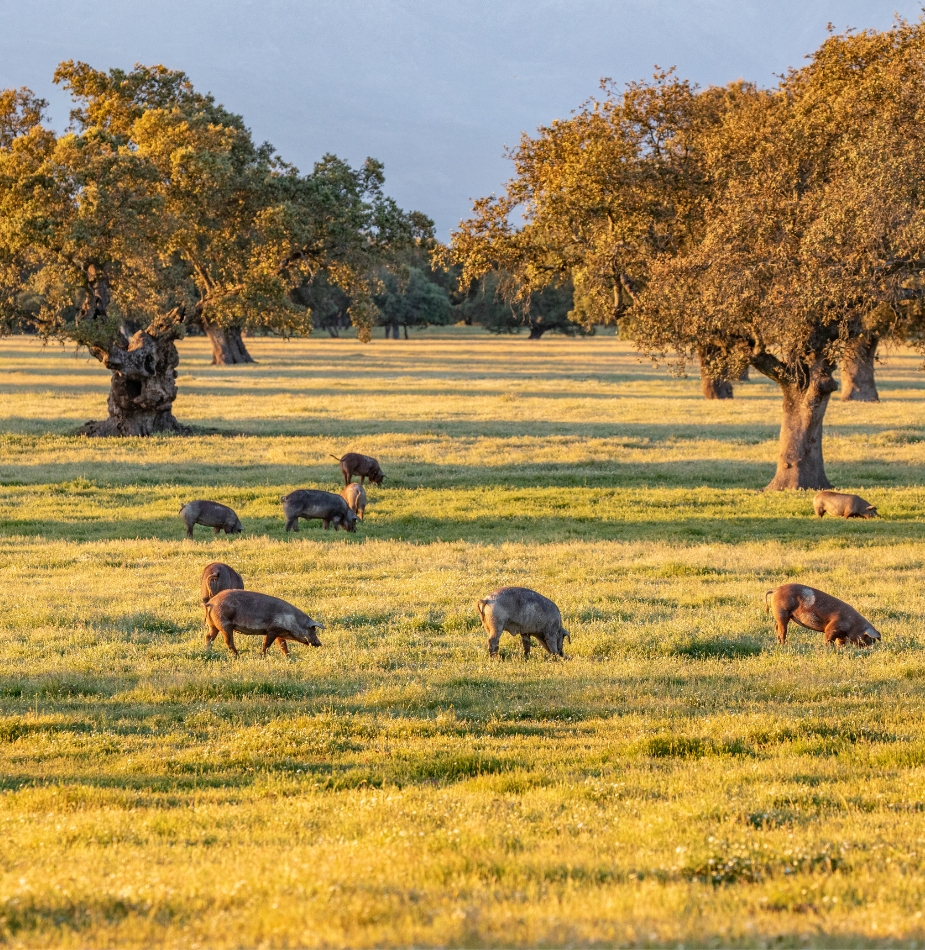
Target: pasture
{"type": "Point", "coordinates": [682, 780]}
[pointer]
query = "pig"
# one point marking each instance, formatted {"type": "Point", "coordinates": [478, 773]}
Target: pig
{"type": "Point", "coordinates": [355, 496]}
{"type": "Point", "coordinates": [363, 465]}
{"type": "Point", "coordinates": [524, 613]}
{"type": "Point", "coordinates": [843, 506]}
{"type": "Point", "coordinates": [212, 515]}
{"type": "Point", "coordinates": [246, 611]}
{"type": "Point", "coordinates": [816, 610]}
{"type": "Point", "coordinates": [310, 503]}
{"type": "Point", "coordinates": [217, 577]}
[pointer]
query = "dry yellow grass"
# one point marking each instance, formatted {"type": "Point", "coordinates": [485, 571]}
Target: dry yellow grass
{"type": "Point", "coordinates": [682, 780]}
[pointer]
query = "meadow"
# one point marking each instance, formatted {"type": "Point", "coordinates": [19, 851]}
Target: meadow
{"type": "Point", "coordinates": [681, 780]}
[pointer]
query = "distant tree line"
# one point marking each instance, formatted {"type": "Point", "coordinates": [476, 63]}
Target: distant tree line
{"type": "Point", "coordinates": [732, 228]}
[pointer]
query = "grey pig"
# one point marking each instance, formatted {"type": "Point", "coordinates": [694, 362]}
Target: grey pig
{"type": "Point", "coordinates": [524, 613]}
{"type": "Point", "coordinates": [355, 496]}
{"type": "Point", "coordinates": [245, 611]}
{"type": "Point", "coordinates": [310, 503]}
{"type": "Point", "coordinates": [843, 506]}
{"type": "Point", "coordinates": [212, 515]}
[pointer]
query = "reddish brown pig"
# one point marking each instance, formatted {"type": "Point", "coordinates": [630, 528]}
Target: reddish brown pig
{"type": "Point", "coordinates": [815, 610]}
{"type": "Point", "coordinates": [212, 515]}
{"type": "Point", "coordinates": [524, 613]}
{"type": "Point", "coordinates": [247, 612]}
{"type": "Point", "coordinates": [843, 506]}
{"type": "Point", "coordinates": [355, 496]}
{"type": "Point", "coordinates": [363, 465]}
{"type": "Point", "coordinates": [217, 577]}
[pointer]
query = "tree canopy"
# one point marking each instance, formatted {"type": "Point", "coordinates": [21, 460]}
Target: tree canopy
{"type": "Point", "coordinates": [732, 226]}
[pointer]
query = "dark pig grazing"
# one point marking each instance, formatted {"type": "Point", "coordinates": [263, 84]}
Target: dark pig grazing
{"type": "Point", "coordinates": [247, 612]}
{"type": "Point", "coordinates": [524, 613]}
{"type": "Point", "coordinates": [843, 506]}
{"type": "Point", "coordinates": [363, 465]}
{"type": "Point", "coordinates": [212, 515]}
{"type": "Point", "coordinates": [217, 577]}
{"type": "Point", "coordinates": [311, 503]}
{"type": "Point", "coordinates": [355, 496]}
{"type": "Point", "coordinates": [816, 610]}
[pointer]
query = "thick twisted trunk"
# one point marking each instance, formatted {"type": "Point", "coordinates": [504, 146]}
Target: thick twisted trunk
{"type": "Point", "coordinates": [857, 372]}
{"type": "Point", "coordinates": [228, 347]}
{"type": "Point", "coordinates": [143, 387]}
{"type": "Point", "coordinates": [800, 463]}
{"type": "Point", "coordinates": [714, 388]}
{"type": "Point", "coordinates": [536, 331]}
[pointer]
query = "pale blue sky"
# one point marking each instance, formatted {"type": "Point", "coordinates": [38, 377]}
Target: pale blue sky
{"type": "Point", "coordinates": [433, 88]}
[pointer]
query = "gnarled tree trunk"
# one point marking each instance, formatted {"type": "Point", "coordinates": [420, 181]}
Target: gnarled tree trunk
{"type": "Point", "coordinates": [857, 371]}
{"type": "Point", "coordinates": [143, 387]}
{"type": "Point", "coordinates": [714, 388]}
{"type": "Point", "coordinates": [536, 331]}
{"type": "Point", "coordinates": [228, 347]}
{"type": "Point", "coordinates": [800, 464]}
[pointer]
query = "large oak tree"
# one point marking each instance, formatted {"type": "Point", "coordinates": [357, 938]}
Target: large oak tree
{"type": "Point", "coordinates": [736, 227]}
{"type": "Point", "coordinates": [156, 211]}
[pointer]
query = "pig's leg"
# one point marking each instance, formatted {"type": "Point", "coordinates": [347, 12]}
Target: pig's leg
{"type": "Point", "coordinates": [228, 634]}
{"type": "Point", "coordinates": [215, 531]}
{"type": "Point", "coordinates": [782, 619]}
{"type": "Point", "coordinates": [189, 529]}
{"type": "Point", "coordinates": [525, 642]}
{"type": "Point", "coordinates": [293, 524]}
{"type": "Point", "coordinates": [347, 475]}
{"type": "Point", "coordinates": [211, 631]}
{"type": "Point", "coordinates": [326, 523]}
{"type": "Point", "coordinates": [283, 646]}
{"type": "Point", "coordinates": [268, 641]}
{"type": "Point", "coordinates": [494, 637]}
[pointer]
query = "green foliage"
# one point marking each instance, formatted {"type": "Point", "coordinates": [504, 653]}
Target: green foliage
{"type": "Point", "coordinates": [409, 298]}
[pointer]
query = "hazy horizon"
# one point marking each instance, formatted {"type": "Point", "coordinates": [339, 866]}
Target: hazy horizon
{"type": "Point", "coordinates": [435, 91]}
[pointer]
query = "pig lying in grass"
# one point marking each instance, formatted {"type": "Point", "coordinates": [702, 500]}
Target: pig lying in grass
{"type": "Point", "coordinates": [363, 465]}
{"type": "Point", "coordinates": [247, 612]}
{"type": "Point", "coordinates": [310, 503]}
{"type": "Point", "coordinates": [524, 613]}
{"type": "Point", "coordinates": [814, 609]}
{"type": "Point", "coordinates": [843, 506]}
{"type": "Point", "coordinates": [355, 496]}
{"type": "Point", "coordinates": [212, 515]}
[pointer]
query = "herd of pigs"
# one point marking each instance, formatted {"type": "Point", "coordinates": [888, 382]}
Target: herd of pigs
{"type": "Point", "coordinates": [230, 609]}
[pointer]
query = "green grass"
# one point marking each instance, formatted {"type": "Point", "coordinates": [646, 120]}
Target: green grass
{"type": "Point", "coordinates": [683, 779]}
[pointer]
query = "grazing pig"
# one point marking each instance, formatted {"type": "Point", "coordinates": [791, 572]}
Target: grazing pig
{"type": "Point", "coordinates": [212, 515]}
{"type": "Point", "coordinates": [245, 611]}
{"type": "Point", "coordinates": [843, 506]}
{"type": "Point", "coordinates": [816, 610]}
{"type": "Point", "coordinates": [524, 613]}
{"type": "Point", "coordinates": [217, 577]}
{"type": "Point", "coordinates": [363, 465]}
{"type": "Point", "coordinates": [310, 503]}
{"type": "Point", "coordinates": [355, 496]}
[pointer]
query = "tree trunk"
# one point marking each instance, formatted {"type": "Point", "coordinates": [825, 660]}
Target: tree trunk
{"type": "Point", "coordinates": [857, 372]}
{"type": "Point", "coordinates": [537, 331]}
{"type": "Point", "coordinates": [405, 328]}
{"type": "Point", "coordinates": [714, 388]}
{"type": "Point", "coordinates": [742, 377]}
{"type": "Point", "coordinates": [143, 387]}
{"type": "Point", "coordinates": [800, 464]}
{"type": "Point", "coordinates": [228, 347]}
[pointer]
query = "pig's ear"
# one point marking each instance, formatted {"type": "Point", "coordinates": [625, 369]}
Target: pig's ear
{"type": "Point", "coordinates": [318, 626]}
{"type": "Point", "coordinates": [871, 507]}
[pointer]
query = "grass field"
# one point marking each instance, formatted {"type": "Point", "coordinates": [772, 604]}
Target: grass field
{"type": "Point", "coordinates": [682, 780]}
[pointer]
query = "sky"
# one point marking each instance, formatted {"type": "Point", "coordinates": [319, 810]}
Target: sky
{"type": "Point", "coordinates": [435, 89]}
